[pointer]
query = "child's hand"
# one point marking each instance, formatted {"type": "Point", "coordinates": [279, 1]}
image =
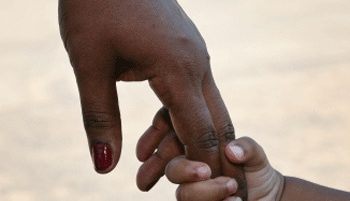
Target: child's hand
{"type": "Point", "coordinates": [264, 182]}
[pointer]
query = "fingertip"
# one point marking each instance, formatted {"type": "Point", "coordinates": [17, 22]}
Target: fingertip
{"type": "Point", "coordinates": [142, 152]}
{"type": "Point", "coordinates": [106, 171]}
{"type": "Point", "coordinates": [231, 186]}
{"type": "Point", "coordinates": [149, 173]}
{"type": "Point", "coordinates": [233, 198]}
{"type": "Point", "coordinates": [144, 186]}
{"type": "Point", "coordinates": [181, 170]}
{"type": "Point", "coordinates": [104, 157]}
{"type": "Point", "coordinates": [141, 158]}
{"type": "Point", "coordinates": [227, 185]}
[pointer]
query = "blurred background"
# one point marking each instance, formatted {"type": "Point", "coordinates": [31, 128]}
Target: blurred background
{"type": "Point", "coordinates": [283, 68]}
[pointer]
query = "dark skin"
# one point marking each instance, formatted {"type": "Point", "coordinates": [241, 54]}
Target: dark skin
{"type": "Point", "coordinates": [134, 40]}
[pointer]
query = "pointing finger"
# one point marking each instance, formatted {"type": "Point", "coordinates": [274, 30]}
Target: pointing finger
{"type": "Point", "coordinates": [190, 117]}
{"type": "Point", "coordinates": [225, 131]}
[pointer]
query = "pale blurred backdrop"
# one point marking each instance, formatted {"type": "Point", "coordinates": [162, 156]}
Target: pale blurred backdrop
{"type": "Point", "coordinates": [283, 68]}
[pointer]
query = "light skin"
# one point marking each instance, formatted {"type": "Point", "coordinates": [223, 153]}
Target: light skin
{"type": "Point", "coordinates": [155, 41]}
{"type": "Point", "coordinates": [263, 181]}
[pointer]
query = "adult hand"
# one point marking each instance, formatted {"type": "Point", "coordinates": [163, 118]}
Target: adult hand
{"type": "Point", "coordinates": [134, 40]}
{"type": "Point", "coordinates": [263, 181]}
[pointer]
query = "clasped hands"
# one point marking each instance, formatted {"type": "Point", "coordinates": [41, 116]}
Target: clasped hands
{"type": "Point", "coordinates": [195, 179]}
{"type": "Point", "coordinates": [133, 40]}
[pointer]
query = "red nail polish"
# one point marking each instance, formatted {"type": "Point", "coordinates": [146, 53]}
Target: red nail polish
{"type": "Point", "coordinates": [102, 156]}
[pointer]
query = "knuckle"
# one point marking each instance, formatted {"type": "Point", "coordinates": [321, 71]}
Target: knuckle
{"type": "Point", "coordinates": [189, 41]}
{"type": "Point", "coordinates": [160, 87]}
{"type": "Point", "coordinates": [192, 43]}
{"type": "Point", "coordinates": [226, 133]}
{"type": "Point", "coordinates": [193, 70]}
{"type": "Point", "coordinates": [190, 69]}
{"type": "Point", "coordinates": [162, 121]}
{"type": "Point", "coordinates": [189, 59]}
{"type": "Point", "coordinates": [192, 65]}
{"type": "Point", "coordinates": [98, 120]}
{"type": "Point", "coordinates": [206, 141]}
{"type": "Point", "coordinates": [167, 89]}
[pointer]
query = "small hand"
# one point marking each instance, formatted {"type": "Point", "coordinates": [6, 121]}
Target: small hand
{"type": "Point", "coordinates": [264, 183]}
{"type": "Point", "coordinates": [159, 145]}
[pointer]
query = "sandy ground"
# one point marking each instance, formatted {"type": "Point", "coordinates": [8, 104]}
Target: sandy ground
{"type": "Point", "coordinates": [283, 68]}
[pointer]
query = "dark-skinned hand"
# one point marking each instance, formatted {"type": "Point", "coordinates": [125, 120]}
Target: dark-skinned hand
{"type": "Point", "coordinates": [133, 40]}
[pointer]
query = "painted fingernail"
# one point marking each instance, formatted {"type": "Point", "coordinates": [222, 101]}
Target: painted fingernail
{"type": "Point", "coordinates": [102, 156]}
{"type": "Point", "coordinates": [237, 151]}
{"type": "Point", "coordinates": [203, 171]}
{"type": "Point", "coordinates": [231, 186]}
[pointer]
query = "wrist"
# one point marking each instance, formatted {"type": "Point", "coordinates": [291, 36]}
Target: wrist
{"type": "Point", "coordinates": [268, 185]}
{"type": "Point", "coordinates": [280, 186]}
{"type": "Point", "coordinates": [276, 192]}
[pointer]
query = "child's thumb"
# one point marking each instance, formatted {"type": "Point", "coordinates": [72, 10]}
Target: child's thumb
{"type": "Point", "coordinates": [247, 152]}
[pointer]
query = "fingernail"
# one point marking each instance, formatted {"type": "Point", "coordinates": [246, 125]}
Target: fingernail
{"type": "Point", "coordinates": [237, 199]}
{"type": "Point", "coordinates": [233, 198]}
{"type": "Point", "coordinates": [237, 151]}
{"type": "Point", "coordinates": [231, 186]}
{"type": "Point", "coordinates": [102, 156]}
{"type": "Point", "coordinates": [203, 172]}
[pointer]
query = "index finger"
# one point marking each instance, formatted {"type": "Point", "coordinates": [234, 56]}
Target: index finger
{"type": "Point", "coordinates": [182, 96]}
{"type": "Point", "coordinates": [225, 132]}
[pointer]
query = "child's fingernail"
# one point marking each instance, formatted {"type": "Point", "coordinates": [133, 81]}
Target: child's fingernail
{"type": "Point", "coordinates": [233, 198]}
{"type": "Point", "coordinates": [231, 186]}
{"type": "Point", "coordinates": [102, 156]}
{"type": "Point", "coordinates": [237, 151]}
{"type": "Point", "coordinates": [236, 199]}
{"type": "Point", "coordinates": [203, 171]}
